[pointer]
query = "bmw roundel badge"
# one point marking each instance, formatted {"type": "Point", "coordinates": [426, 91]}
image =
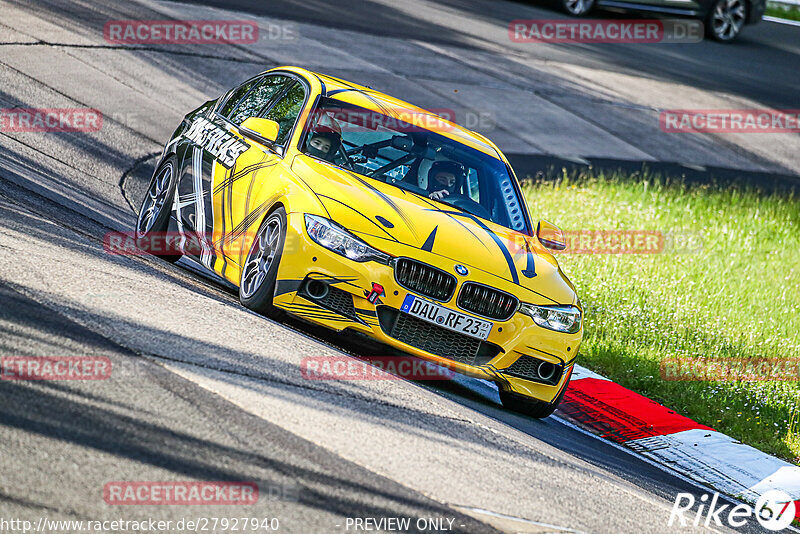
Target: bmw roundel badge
{"type": "Point", "coordinates": [460, 269]}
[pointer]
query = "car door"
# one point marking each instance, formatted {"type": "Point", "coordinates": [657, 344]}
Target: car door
{"type": "Point", "coordinates": [251, 190]}
{"type": "Point", "coordinates": [217, 159]}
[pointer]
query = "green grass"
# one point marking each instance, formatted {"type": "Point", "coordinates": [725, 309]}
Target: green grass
{"type": "Point", "coordinates": [737, 295]}
{"type": "Point", "coordinates": [783, 11]}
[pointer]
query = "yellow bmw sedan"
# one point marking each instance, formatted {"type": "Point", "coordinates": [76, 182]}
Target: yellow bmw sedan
{"type": "Point", "coordinates": [354, 210]}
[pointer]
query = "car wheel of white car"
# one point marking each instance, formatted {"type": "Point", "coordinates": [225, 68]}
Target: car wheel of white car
{"type": "Point", "coordinates": [726, 19]}
{"type": "Point", "coordinates": [577, 8]}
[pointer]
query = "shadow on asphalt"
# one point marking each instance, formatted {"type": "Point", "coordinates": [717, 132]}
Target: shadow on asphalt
{"type": "Point", "coordinates": [271, 456]}
{"type": "Point", "coordinates": [45, 409]}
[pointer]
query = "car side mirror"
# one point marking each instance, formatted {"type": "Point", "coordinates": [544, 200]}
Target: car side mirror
{"type": "Point", "coordinates": [550, 236]}
{"type": "Point", "coordinates": [264, 131]}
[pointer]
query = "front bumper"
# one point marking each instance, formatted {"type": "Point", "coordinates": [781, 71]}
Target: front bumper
{"type": "Point", "coordinates": [513, 348]}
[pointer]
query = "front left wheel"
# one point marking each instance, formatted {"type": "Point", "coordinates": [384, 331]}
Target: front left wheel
{"type": "Point", "coordinates": [260, 271]}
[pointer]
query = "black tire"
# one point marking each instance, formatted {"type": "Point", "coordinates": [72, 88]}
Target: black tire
{"type": "Point", "coordinates": [528, 406]}
{"type": "Point", "coordinates": [577, 8]}
{"type": "Point", "coordinates": [724, 22]}
{"type": "Point", "coordinates": [254, 293]}
{"type": "Point", "coordinates": [157, 207]}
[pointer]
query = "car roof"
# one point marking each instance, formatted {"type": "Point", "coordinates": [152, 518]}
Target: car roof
{"type": "Point", "coordinates": [372, 100]}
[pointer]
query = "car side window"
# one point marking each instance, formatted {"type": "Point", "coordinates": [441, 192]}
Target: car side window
{"type": "Point", "coordinates": [259, 97]}
{"type": "Point", "coordinates": [236, 95]}
{"type": "Point", "coordinates": [473, 185]}
{"type": "Point", "coordinates": [286, 110]}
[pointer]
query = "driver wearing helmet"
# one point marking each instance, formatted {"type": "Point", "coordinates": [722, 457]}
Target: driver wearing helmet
{"type": "Point", "coordinates": [325, 138]}
{"type": "Point", "coordinates": [323, 145]}
{"type": "Point", "coordinates": [445, 179]}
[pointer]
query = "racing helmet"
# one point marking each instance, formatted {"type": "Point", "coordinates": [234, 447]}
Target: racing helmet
{"type": "Point", "coordinates": [324, 128]}
{"type": "Point", "coordinates": [453, 167]}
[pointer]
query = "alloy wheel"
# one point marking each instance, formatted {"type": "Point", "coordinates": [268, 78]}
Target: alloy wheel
{"type": "Point", "coordinates": [578, 7]}
{"type": "Point", "coordinates": [154, 201]}
{"type": "Point", "coordinates": [260, 257]}
{"type": "Point", "coordinates": [727, 19]}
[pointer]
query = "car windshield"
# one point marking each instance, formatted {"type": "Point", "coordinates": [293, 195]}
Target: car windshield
{"type": "Point", "coordinates": [413, 158]}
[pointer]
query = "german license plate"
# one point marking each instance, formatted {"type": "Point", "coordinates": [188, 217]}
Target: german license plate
{"type": "Point", "coordinates": [445, 317]}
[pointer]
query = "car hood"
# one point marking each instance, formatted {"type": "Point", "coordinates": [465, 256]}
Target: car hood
{"type": "Point", "coordinates": [402, 223]}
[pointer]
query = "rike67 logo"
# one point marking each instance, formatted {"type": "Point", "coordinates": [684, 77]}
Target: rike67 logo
{"type": "Point", "coordinates": [774, 510]}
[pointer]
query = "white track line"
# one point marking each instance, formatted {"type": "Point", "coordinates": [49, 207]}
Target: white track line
{"type": "Point", "coordinates": [782, 21]}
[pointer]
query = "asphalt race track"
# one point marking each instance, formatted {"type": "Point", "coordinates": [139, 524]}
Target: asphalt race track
{"type": "Point", "coordinates": [203, 389]}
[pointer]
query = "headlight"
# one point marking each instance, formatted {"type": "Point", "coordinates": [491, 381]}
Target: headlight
{"type": "Point", "coordinates": [333, 237]}
{"type": "Point", "coordinates": [559, 318]}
